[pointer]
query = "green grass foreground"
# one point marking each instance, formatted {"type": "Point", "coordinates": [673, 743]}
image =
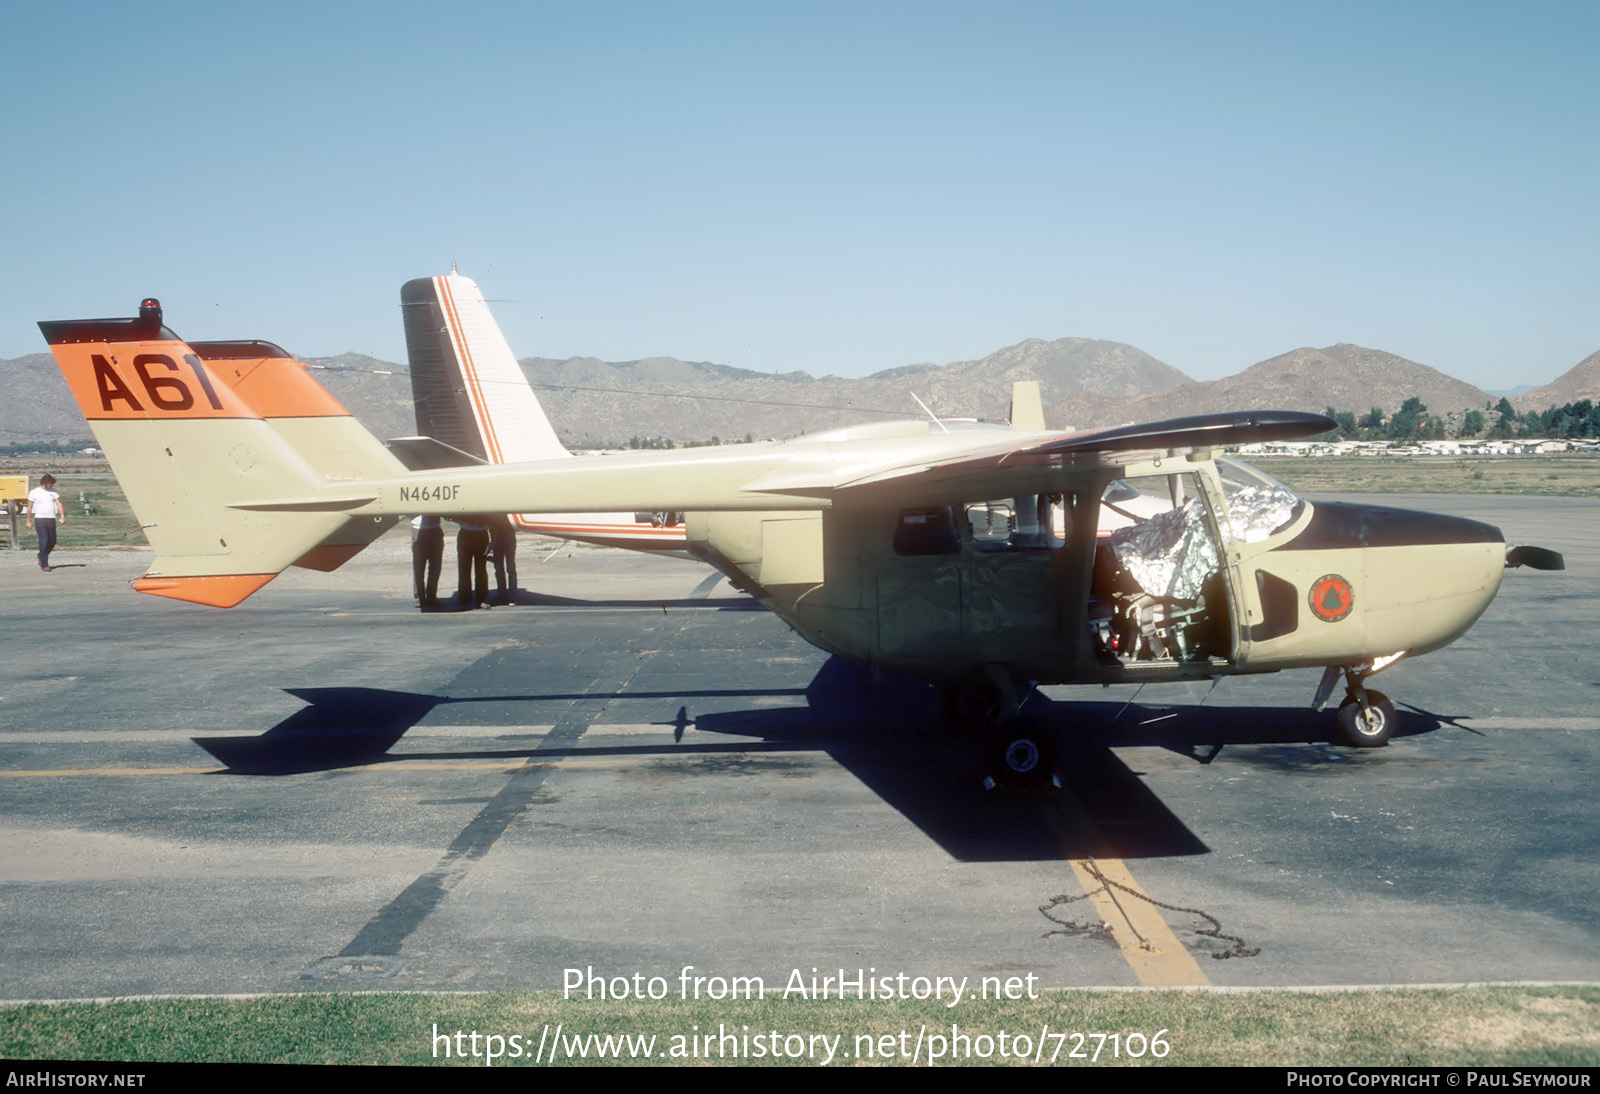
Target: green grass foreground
{"type": "Point", "coordinates": [1495, 1026]}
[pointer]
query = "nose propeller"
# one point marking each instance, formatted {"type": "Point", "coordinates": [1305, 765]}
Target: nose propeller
{"type": "Point", "coordinates": [1534, 558]}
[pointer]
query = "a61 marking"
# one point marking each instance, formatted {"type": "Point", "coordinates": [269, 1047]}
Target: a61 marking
{"type": "Point", "coordinates": [164, 391]}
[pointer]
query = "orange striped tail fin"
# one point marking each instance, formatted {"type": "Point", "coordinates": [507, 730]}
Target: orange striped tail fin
{"type": "Point", "coordinates": [187, 444]}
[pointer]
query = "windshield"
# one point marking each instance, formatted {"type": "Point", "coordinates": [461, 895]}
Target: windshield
{"type": "Point", "coordinates": [1259, 506]}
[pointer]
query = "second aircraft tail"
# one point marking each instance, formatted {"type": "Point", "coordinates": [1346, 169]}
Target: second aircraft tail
{"type": "Point", "coordinates": [470, 392]}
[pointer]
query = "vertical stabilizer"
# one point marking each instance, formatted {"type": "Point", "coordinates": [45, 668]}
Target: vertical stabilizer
{"type": "Point", "coordinates": [187, 446]}
{"type": "Point", "coordinates": [471, 395]}
{"type": "Point", "coordinates": [469, 390]}
{"type": "Point", "coordinates": [1027, 406]}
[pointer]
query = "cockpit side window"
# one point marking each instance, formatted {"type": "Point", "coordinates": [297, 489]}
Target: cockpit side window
{"type": "Point", "coordinates": [992, 524]}
{"type": "Point", "coordinates": [927, 531]}
{"type": "Point", "coordinates": [1029, 522]}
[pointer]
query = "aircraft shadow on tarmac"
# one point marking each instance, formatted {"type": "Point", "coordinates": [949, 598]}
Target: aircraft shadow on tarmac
{"type": "Point", "coordinates": [877, 730]}
{"type": "Point", "coordinates": [526, 599]}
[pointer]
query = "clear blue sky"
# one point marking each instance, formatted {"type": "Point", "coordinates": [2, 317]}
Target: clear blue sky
{"type": "Point", "coordinates": [835, 188]}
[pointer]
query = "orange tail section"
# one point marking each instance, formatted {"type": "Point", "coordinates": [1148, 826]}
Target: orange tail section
{"type": "Point", "coordinates": [187, 444]}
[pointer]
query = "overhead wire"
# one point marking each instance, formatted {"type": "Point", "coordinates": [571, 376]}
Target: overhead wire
{"type": "Point", "coordinates": [656, 394]}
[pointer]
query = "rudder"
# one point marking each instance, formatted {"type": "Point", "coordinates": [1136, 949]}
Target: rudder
{"type": "Point", "coordinates": [469, 390]}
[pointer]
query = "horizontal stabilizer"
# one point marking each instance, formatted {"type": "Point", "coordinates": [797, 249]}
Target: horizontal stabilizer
{"type": "Point", "coordinates": [427, 454]}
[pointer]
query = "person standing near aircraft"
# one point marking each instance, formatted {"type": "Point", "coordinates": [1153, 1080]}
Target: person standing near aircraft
{"type": "Point", "coordinates": [472, 562]}
{"type": "Point", "coordinates": [427, 556]}
{"type": "Point", "coordinates": [503, 548]}
{"type": "Point", "coordinates": [45, 512]}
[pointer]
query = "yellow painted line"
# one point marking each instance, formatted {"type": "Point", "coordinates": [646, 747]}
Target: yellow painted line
{"type": "Point", "coordinates": [1147, 943]}
{"type": "Point", "coordinates": [1154, 953]}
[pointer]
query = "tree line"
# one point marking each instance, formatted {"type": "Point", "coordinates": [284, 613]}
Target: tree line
{"type": "Point", "coordinates": [1496, 421]}
{"type": "Point", "coordinates": [45, 448]}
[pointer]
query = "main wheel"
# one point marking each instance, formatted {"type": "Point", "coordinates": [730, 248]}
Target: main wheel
{"type": "Point", "coordinates": [1021, 756]}
{"type": "Point", "coordinates": [1367, 728]}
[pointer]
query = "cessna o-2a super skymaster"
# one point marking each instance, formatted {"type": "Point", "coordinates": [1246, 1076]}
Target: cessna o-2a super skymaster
{"type": "Point", "coordinates": [968, 557]}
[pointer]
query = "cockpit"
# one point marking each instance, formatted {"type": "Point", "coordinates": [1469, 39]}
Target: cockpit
{"type": "Point", "coordinates": [1158, 588]}
{"type": "Point", "coordinates": [1159, 594]}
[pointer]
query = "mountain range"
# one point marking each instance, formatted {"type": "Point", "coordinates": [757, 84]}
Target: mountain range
{"type": "Point", "coordinates": [1582, 381]}
{"type": "Point", "coordinates": [1085, 383]}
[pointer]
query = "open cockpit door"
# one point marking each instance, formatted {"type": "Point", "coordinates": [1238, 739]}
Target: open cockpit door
{"type": "Point", "coordinates": [1161, 591]}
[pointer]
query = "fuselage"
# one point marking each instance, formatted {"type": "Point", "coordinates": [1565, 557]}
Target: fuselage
{"type": "Point", "coordinates": [940, 553]}
{"type": "Point", "coordinates": [1200, 587]}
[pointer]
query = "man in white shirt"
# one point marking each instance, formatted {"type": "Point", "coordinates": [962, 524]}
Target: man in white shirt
{"type": "Point", "coordinates": [45, 512]}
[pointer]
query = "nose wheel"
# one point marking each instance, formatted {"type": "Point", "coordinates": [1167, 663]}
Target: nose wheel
{"type": "Point", "coordinates": [1366, 718]}
{"type": "Point", "coordinates": [1366, 721]}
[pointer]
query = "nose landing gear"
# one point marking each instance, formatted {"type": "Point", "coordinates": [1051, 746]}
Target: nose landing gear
{"type": "Point", "coordinates": [1367, 719]}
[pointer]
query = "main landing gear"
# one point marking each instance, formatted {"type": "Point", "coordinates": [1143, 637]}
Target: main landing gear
{"type": "Point", "coordinates": [1366, 718]}
{"type": "Point", "coordinates": [1021, 755]}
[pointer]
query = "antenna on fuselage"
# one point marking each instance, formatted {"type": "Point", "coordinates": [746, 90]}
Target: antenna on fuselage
{"type": "Point", "coordinates": [930, 413]}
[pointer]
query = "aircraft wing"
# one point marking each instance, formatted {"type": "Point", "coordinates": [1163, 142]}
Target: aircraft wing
{"type": "Point", "coordinates": [1175, 436]}
{"type": "Point", "coordinates": [793, 475]}
{"type": "Point", "coordinates": [1074, 452]}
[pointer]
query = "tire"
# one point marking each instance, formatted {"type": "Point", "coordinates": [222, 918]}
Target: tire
{"type": "Point", "coordinates": [1022, 756]}
{"type": "Point", "coordinates": [1371, 728]}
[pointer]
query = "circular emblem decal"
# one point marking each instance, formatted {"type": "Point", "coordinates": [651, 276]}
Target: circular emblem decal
{"type": "Point", "coordinates": [1331, 598]}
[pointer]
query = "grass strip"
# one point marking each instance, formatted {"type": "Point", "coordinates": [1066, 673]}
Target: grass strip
{"type": "Point", "coordinates": [1479, 1026]}
{"type": "Point", "coordinates": [1569, 476]}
